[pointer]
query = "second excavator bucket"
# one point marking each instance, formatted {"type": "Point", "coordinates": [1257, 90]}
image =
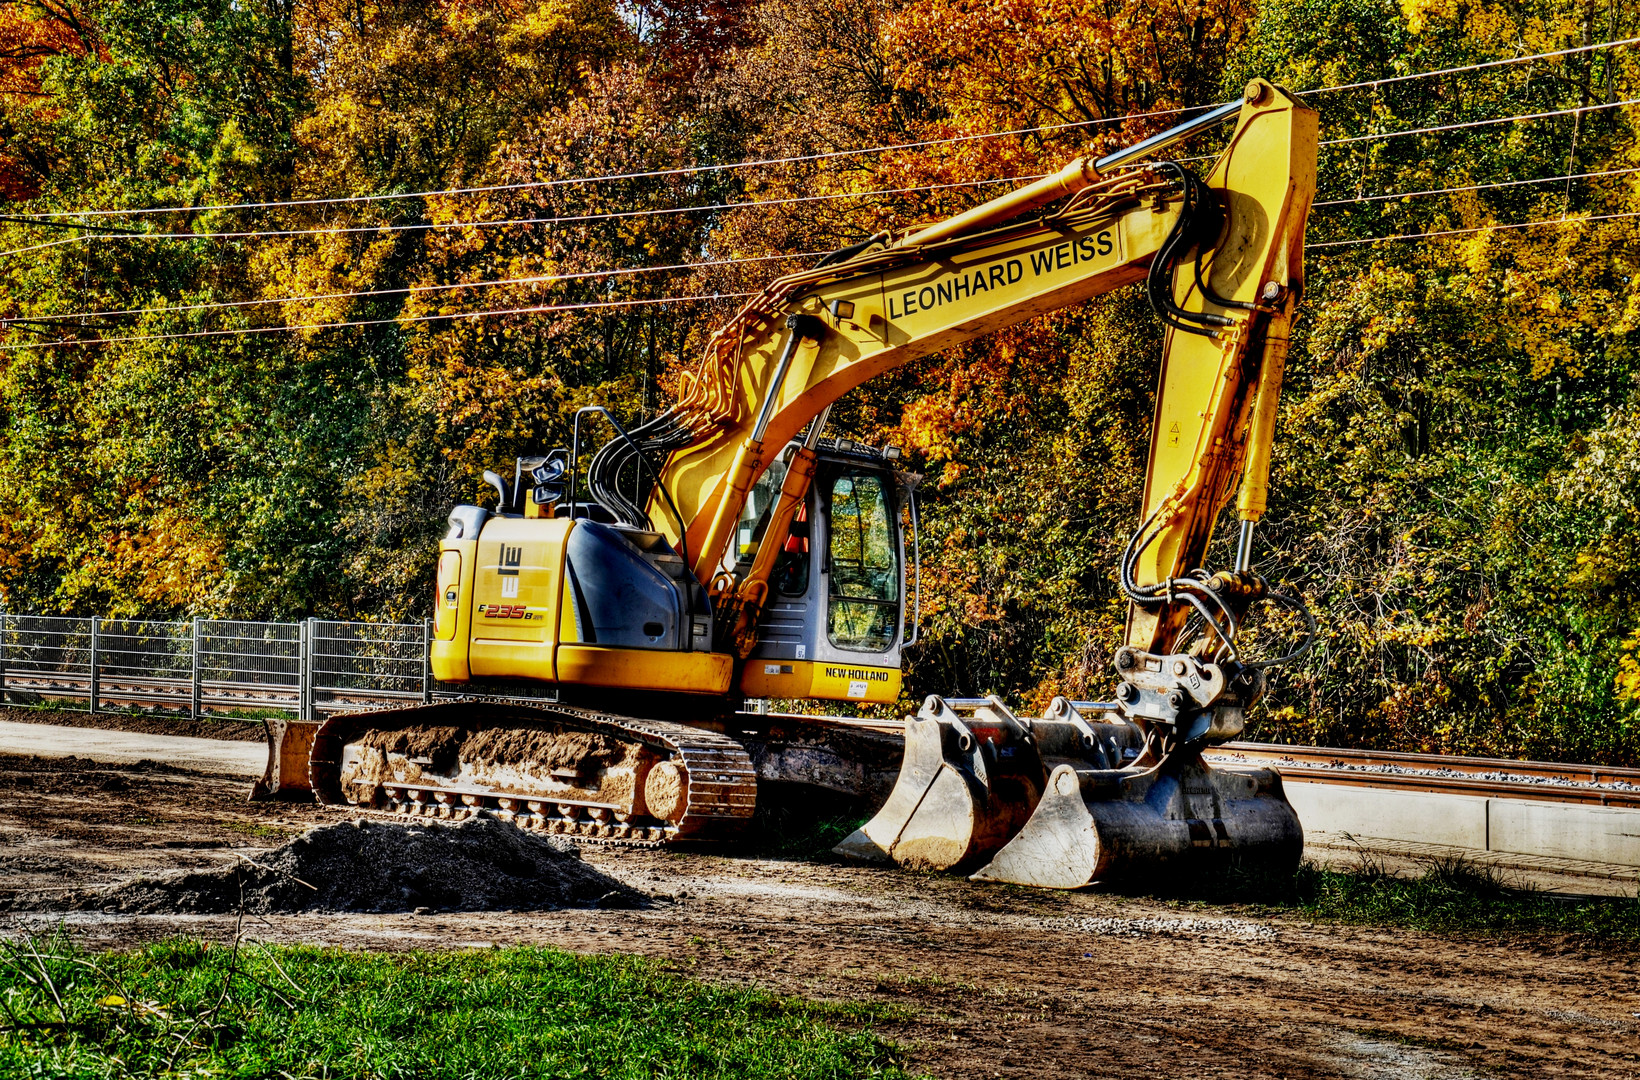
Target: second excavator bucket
{"type": "Point", "coordinates": [286, 775]}
{"type": "Point", "coordinates": [967, 783]}
{"type": "Point", "coordinates": [1105, 825]}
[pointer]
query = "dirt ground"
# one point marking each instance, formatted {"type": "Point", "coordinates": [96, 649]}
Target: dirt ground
{"type": "Point", "coordinates": [987, 981]}
{"type": "Point", "coordinates": [214, 728]}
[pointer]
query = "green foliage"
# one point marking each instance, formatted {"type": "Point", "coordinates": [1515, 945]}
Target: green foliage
{"type": "Point", "coordinates": [189, 1008]}
{"type": "Point", "coordinates": [1453, 895]}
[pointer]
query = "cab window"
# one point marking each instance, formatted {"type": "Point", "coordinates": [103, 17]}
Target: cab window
{"type": "Point", "coordinates": [755, 514]}
{"type": "Point", "coordinates": [864, 560]}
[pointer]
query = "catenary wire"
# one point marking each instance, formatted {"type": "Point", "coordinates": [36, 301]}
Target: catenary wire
{"type": "Point", "coordinates": [802, 158]}
{"type": "Point", "coordinates": [1471, 187]}
{"type": "Point", "coordinates": [408, 290]}
{"type": "Point", "coordinates": [1496, 226]}
{"type": "Point", "coordinates": [570, 219]}
{"type": "Point", "coordinates": [548, 308]}
{"type": "Point", "coordinates": [624, 271]}
{"type": "Point", "coordinates": [1479, 123]}
{"type": "Point", "coordinates": [1433, 129]}
{"type": "Point", "coordinates": [608, 177]}
{"type": "Point", "coordinates": [1369, 83]}
{"type": "Point", "coordinates": [580, 218]}
{"type": "Point", "coordinates": [245, 330]}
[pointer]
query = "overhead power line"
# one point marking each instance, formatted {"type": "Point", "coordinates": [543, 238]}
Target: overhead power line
{"type": "Point", "coordinates": [646, 302]}
{"type": "Point", "coordinates": [1471, 187]}
{"type": "Point", "coordinates": [415, 290]}
{"type": "Point", "coordinates": [1479, 123]}
{"type": "Point", "coordinates": [338, 230]}
{"type": "Point", "coordinates": [1478, 229]}
{"type": "Point", "coordinates": [651, 174]}
{"type": "Point", "coordinates": [567, 219]}
{"type": "Point", "coordinates": [1433, 129]}
{"type": "Point", "coordinates": [1474, 67]}
{"type": "Point", "coordinates": [795, 159]}
{"type": "Point", "coordinates": [543, 279]}
{"type": "Point", "coordinates": [246, 330]}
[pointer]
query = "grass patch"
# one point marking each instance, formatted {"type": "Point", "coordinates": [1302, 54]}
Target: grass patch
{"type": "Point", "coordinates": [1449, 895]}
{"type": "Point", "coordinates": [794, 822]}
{"type": "Point", "coordinates": [189, 1008]}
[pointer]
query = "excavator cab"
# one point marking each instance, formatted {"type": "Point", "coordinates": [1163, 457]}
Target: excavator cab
{"type": "Point", "coordinates": [528, 592]}
{"type": "Point", "coordinates": [834, 618]}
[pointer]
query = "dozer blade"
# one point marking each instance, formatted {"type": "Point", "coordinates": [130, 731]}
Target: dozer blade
{"type": "Point", "coordinates": [966, 785]}
{"type": "Point", "coordinates": [286, 776]}
{"type": "Point", "coordinates": [1101, 825]}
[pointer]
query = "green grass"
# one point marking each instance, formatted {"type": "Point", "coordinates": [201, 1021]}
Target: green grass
{"type": "Point", "coordinates": [799, 823]}
{"type": "Point", "coordinates": [1448, 895]}
{"type": "Point", "coordinates": [188, 1009]}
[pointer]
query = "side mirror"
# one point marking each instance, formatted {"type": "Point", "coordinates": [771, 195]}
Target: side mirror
{"type": "Point", "coordinates": [549, 477]}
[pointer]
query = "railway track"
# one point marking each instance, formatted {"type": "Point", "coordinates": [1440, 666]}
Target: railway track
{"type": "Point", "coordinates": [1593, 785]}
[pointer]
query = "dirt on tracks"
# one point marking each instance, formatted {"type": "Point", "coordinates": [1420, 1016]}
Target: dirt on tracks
{"type": "Point", "coordinates": [986, 981]}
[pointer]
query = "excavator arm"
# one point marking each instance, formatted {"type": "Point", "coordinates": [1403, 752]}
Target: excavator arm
{"type": "Point", "coordinates": [1223, 263]}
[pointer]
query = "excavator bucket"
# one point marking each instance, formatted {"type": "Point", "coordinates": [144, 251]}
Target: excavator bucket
{"type": "Point", "coordinates": [1105, 825]}
{"type": "Point", "coordinates": [286, 776]}
{"type": "Point", "coordinates": [967, 783]}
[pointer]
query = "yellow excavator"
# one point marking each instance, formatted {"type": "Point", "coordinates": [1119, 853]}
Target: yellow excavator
{"type": "Point", "coordinates": [728, 550]}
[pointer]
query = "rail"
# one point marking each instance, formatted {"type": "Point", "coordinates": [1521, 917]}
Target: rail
{"type": "Point", "coordinates": [1595, 785]}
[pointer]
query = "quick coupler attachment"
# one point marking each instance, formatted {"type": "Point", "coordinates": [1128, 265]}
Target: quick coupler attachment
{"type": "Point", "coordinates": [1175, 820]}
{"type": "Point", "coordinates": [972, 775]}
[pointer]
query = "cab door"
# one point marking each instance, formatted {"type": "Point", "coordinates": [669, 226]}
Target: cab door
{"type": "Point", "coordinates": [831, 626]}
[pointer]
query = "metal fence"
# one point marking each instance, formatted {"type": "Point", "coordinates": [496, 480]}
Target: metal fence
{"type": "Point", "coordinates": [214, 667]}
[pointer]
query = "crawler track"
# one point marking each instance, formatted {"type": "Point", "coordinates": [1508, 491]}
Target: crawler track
{"type": "Point", "coordinates": [719, 782]}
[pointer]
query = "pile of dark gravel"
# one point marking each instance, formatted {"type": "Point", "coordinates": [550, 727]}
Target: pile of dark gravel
{"type": "Point", "coordinates": [477, 865]}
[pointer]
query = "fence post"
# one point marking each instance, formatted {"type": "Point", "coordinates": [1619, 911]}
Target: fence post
{"type": "Point", "coordinates": [95, 689]}
{"type": "Point", "coordinates": [426, 661]}
{"type": "Point", "coordinates": [2, 657]}
{"type": "Point", "coordinates": [197, 676]}
{"type": "Point", "coordinates": [304, 670]}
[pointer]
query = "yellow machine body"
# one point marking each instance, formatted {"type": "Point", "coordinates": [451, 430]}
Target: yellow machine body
{"type": "Point", "coordinates": [510, 611]}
